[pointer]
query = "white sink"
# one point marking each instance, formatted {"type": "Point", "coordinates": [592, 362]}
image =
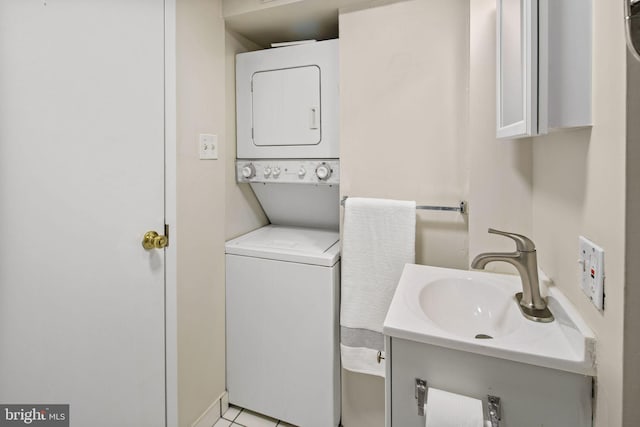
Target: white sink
{"type": "Point", "coordinates": [476, 311]}
{"type": "Point", "coordinates": [471, 307]}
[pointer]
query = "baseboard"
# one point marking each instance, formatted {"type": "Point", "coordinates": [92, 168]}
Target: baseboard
{"type": "Point", "coordinates": [213, 412]}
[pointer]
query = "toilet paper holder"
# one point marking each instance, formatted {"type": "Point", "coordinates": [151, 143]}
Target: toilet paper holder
{"type": "Point", "coordinates": [494, 410]}
{"type": "Point", "coordinates": [494, 406]}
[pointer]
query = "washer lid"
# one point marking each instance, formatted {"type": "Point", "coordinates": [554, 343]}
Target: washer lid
{"type": "Point", "coordinates": [293, 244]}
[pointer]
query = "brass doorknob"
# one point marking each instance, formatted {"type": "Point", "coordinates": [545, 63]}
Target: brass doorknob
{"type": "Point", "coordinates": [153, 240]}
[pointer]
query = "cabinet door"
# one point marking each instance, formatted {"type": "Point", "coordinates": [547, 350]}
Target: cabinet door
{"type": "Point", "coordinates": [286, 107]}
{"type": "Point", "coordinates": [517, 68]}
{"type": "Point", "coordinates": [531, 396]}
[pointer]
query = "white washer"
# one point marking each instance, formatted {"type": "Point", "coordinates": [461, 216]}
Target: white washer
{"type": "Point", "coordinates": [283, 355]}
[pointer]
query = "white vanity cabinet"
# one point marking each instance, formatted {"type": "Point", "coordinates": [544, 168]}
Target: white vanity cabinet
{"type": "Point", "coordinates": [531, 396]}
{"type": "Point", "coordinates": [463, 332]}
{"type": "Point", "coordinates": [543, 66]}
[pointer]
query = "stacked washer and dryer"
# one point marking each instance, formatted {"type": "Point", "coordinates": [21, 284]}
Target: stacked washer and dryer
{"type": "Point", "coordinates": [282, 281]}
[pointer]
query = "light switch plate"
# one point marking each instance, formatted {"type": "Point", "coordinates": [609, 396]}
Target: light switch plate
{"type": "Point", "coordinates": [591, 264]}
{"type": "Point", "coordinates": [208, 146]}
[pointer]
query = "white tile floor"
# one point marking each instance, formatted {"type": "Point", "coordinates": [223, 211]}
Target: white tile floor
{"type": "Point", "coordinates": [239, 417]}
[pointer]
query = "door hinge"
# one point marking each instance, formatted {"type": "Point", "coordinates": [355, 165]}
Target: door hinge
{"type": "Point", "coordinates": [421, 395]}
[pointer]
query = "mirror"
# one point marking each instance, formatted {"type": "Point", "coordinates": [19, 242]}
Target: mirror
{"type": "Point", "coordinates": [511, 63]}
{"type": "Point", "coordinates": [517, 68]}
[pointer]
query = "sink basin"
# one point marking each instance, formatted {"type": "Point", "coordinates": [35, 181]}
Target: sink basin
{"type": "Point", "coordinates": [477, 312]}
{"type": "Point", "coordinates": [470, 307]}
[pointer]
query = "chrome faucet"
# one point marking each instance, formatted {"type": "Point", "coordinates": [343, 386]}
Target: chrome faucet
{"type": "Point", "coordinates": [531, 304]}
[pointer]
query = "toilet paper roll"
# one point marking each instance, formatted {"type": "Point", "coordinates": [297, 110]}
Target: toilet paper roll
{"type": "Point", "coordinates": [444, 409]}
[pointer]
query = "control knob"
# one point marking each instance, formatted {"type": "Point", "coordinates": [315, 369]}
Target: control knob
{"type": "Point", "coordinates": [302, 172]}
{"type": "Point", "coordinates": [323, 172]}
{"type": "Point", "coordinates": [248, 171]}
{"type": "Point", "coordinates": [276, 172]}
{"type": "Point", "coordinates": [267, 172]}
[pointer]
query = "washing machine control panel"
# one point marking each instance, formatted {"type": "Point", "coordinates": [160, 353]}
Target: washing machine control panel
{"type": "Point", "coordinates": [321, 171]}
{"type": "Point", "coordinates": [248, 171]}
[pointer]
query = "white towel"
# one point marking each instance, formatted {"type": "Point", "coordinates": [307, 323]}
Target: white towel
{"type": "Point", "coordinates": [378, 239]}
{"type": "Point", "coordinates": [444, 409]}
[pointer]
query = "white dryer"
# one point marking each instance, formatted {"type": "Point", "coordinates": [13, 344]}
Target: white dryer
{"type": "Point", "coordinates": [287, 105]}
{"type": "Point", "coordinates": [287, 102]}
{"type": "Point", "coordinates": [282, 324]}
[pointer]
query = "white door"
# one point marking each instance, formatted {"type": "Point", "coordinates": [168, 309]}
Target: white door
{"type": "Point", "coordinates": [81, 180]}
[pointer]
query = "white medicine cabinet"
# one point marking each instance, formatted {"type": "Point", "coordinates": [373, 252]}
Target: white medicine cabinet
{"type": "Point", "coordinates": [543, 66]}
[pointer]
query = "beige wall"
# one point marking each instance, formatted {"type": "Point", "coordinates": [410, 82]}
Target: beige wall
{"type": "Point", "coordinates": [403, 101]}
{"type": "Point", "coordinates": [243, 212]}
{"type": "Point", "coordinates": [553, 188]}
{"type": "Point", "coordinates": [557, 187]}
{"type": "Point", "coordinates": [500, 182]}
{"type": "Point", "coordinates": [201, 215]}
{"type": "Point", "coordinates": [417, 122]}
{"type": "Point", "coordinates": [632, 290]}
{"type": "Point", "coordinates": [579, 189]}
{"type": "Point", "coordinates": [403, 135]}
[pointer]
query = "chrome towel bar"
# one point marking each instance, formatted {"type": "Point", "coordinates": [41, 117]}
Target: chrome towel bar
{"type": "Point", "coordinates": [461, 208]}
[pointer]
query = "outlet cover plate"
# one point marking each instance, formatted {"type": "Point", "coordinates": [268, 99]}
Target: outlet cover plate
{"type": "Point", "coordinates": [591, 264]}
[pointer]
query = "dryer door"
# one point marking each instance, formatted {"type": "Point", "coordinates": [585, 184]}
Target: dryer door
{"type": "Point", "coordinates": [286, 107]}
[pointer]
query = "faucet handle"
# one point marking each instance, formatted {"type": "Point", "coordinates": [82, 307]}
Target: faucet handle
{"type": "Point", "coordinates": [523, 243]}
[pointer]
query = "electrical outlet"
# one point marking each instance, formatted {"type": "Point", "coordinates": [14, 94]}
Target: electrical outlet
{"type": "Point", "coordinates": [591, 264]}
{"type": "Point", "coordinates": [208, 147]}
